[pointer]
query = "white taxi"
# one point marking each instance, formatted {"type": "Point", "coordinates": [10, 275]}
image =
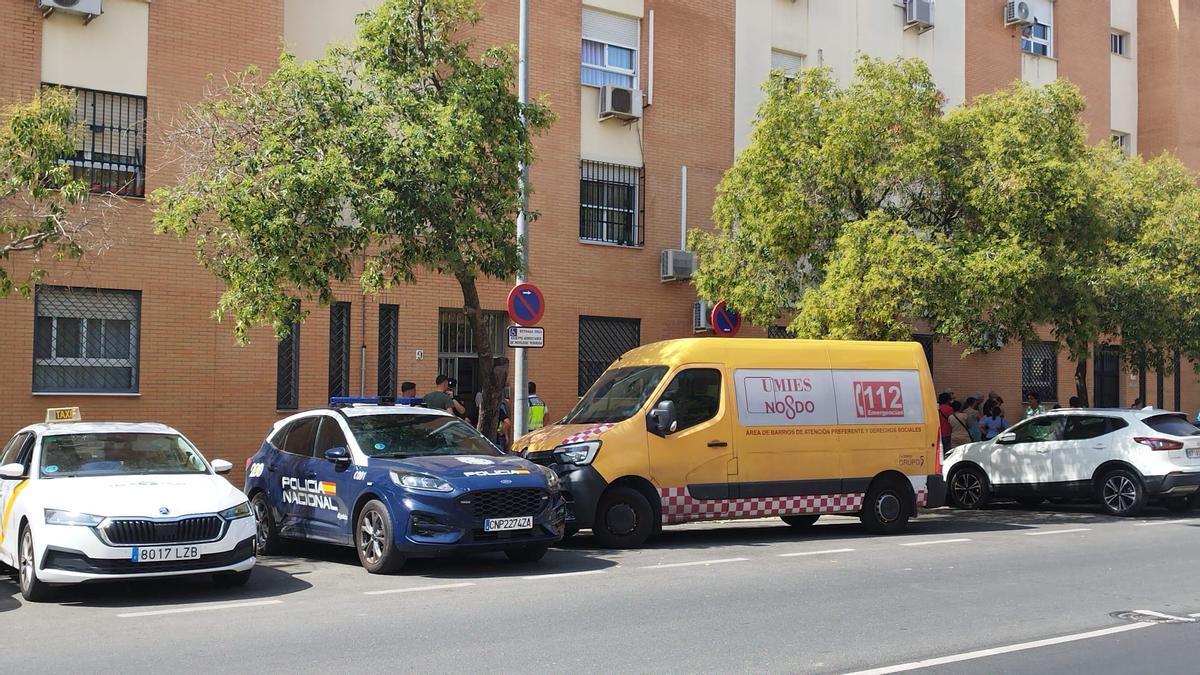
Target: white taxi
{"type": "Point", "coordinates": [103, 501]}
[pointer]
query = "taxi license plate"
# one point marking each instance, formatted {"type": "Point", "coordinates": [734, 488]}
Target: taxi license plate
{"type": "Point", "coordinates": [502, 524]}
{"type": "Point", "coordinates": [145, 554]}
{"type": "Point", "coordinates": [1193, 453]}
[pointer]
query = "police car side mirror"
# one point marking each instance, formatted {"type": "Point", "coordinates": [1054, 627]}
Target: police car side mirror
{"type": "Point", "coordinates": [338, 455]}
{"type": "Point", "coordinates": [12, 471]}
{"type": "Point", "coordinates": [221, 466]}
{"type": "Point", "coordinates": [661, 420]}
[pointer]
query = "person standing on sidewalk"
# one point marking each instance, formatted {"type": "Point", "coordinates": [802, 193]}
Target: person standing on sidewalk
{"type": "Point", "coordinates": [944, 413]}
{"type": "Point", "coordinates": [537, 409]}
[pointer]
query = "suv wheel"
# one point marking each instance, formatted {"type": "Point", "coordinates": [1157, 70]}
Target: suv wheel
{"type": "Point", "coordinates": [375, 539]}
{"type": "Point", "coordinates": [1121, 493]}
{"type": "Point", "coordinates": [969, 488]}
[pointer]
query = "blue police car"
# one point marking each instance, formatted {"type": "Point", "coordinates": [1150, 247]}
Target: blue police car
{"type": "Point", "coordinates": [398, 481]}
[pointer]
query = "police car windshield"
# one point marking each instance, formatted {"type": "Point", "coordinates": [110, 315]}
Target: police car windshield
{"type": "Point", "coordinates": [118, 454]}
{"type": "Point", "coordinates": [617, 395]}
{"type": "Point", "coordinates": [400, 436]}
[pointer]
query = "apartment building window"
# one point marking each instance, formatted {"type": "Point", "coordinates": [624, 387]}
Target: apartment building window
{"type": "Point", "coordinates": [601, 340]}
{"type": "Point", "coordinates": [609, 206]}
{"type": "Point", "coordinates": [85, 340]}
{"type": "Point", "coordinates": [1035, 38]}
{"type": "Point", "coordinates": [389, 343]}
{"type": "Point", "coordinates": [1118, 43]}
{"type": "Point", "coordinates": [457, 355]}
{"type": "Point", "coordinates": [287, 369]}
{"type": "Point", "coordinates": [610, 49]}
{"type": "Point", "coordinates": [791, 64]}
{"type": "Point", "coordinates": [1039, 370]}
{"type": "Point", "coordinates": [339, 349]}
{"type": "Point", "coordinates": [110, 152]}
{"type": "Point", "coordinates": [1122, 141]}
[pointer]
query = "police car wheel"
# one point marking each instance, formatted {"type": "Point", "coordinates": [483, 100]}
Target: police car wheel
{"type": "Point", "coordinates": [886, 508]}
{"type": "Point", "coordinates": [32, 589]}
{"type": "Point", "coordinates": [801, 520]}
{"type": "Point", "coordinates": [527, 554]}
{"type": "Point", "coordinates": [624, 519]}
{"type": "Point", "coordinates": [266, 536]}
{"type": "Point", "coordinates": [374, 539]}
{"type": "Point", "coordinates": [232, 579]}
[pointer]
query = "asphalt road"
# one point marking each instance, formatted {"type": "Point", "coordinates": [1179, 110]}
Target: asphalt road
{"type": "Point", "coordinates": [1001, 591]}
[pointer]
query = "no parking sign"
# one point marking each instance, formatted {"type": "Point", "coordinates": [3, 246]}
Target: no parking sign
{"type": "Point", "coordinates": [526, 305]}
{"type": "Point", "coordinates": [725, 322]}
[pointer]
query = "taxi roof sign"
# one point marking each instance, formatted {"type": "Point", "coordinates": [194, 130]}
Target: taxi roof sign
{"type": "Point", "coordinates": [63, 415]}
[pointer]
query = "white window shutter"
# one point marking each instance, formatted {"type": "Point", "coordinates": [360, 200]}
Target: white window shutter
{"type": "Point", "coordinates": [792, 63]}
{"type": "Point", "coordinates": [611, 28]}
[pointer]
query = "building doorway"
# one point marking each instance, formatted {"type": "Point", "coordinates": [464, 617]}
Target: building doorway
{"type": "Point", "coordinates": [1107, 376]}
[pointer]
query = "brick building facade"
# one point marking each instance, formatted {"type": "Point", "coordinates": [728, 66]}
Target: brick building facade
{"type": "Point", "coordinates": [153, 352]}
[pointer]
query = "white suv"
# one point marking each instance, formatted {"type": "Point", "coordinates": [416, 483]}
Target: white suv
{"type": "Point", "coordinates": [1118, 457]}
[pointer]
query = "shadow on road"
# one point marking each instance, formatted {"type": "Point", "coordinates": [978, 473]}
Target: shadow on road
{"type": "Point", "coordinates": [266, 582]}
{"type": "Point", "coordinates": [479, 566]}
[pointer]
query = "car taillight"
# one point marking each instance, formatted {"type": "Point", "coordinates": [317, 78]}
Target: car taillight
{"type": "Point", "coordinates": [1159, 443]}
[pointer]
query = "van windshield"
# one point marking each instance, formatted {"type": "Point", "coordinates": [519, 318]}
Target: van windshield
{"type": "Point", "coordinates": [617, 395]}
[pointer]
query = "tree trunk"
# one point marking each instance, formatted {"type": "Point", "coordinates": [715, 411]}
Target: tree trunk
{"type": "Point", "coordinates": [1081, 389]}
{"type": "Point", "coordinates": [489, 411]}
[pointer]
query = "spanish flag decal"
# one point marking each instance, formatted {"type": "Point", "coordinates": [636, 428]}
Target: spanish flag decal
{"type": "Point", "coordinates": [328, 488]}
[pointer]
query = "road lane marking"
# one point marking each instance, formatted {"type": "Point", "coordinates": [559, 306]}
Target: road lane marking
{"type": "Point", "coordinates": [936, 541]}
{"type": "Point", "coordinates": [200, 608]}
{"type": "Point", "coordinates": [694, 563]}
{"type": "Point", "coordinates": [563, 574]}
{"type": "Point", "coordinates": [414, 589]}
{"type": "Point", "coordinates": [1170, 617]}
{"type": "Point", "coordinates": [1194, 616]}
{"type": "Point", "coordinates": [1163, 522]}
{"type": "Point", "coordinates": [996, 651]}
{"type": "Point", "coordinates": [832, 550]}
{"type": "Point", "coordinates": [1074, 529]}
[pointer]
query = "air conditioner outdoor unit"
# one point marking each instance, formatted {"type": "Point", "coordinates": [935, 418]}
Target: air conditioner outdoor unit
{"type": "Point", "coordinates": [88, 8]}
{"type": "Point", "coordinates": [620, 102]}
{"type": "Point", "coordinates": [700, 317]}
{"type": "Point", "coordinates": [1017, 13]}
{"type": "Point", "coordinates": [918, 14]}
{"type": "Point", "coordinates": [677, 265]}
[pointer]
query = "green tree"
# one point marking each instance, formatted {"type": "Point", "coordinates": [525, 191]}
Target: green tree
{"type": "Point", "coordinates": [861, 208]}
{"type": "Point", "coordinates": [41, 203]}
{"type": "Point", "coordinates": [391, 157]}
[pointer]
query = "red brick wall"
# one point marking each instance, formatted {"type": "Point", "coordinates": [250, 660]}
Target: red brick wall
{"type": "Point", "coordinates": [993, 49]}
{"type": "Point", "coordinates": [1081, 45]}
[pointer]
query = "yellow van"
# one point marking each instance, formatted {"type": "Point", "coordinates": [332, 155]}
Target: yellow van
{"type": "Point", "coordinates": [717, 429]}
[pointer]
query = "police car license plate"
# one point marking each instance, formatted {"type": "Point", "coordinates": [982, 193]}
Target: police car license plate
{"type": "Point", "coordinates": [501, 524]}
{"type": "Point", "coordinates": [144, 554]}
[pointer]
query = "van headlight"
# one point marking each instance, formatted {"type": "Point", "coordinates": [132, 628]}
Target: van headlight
{"type": "Point", "coordinates": [420, 481]}
{"type": "Point", "coordinates": [240, 511]}
{"type": "Point", "coordinates": [59, 517]}
{"type": "Point", "coordinates": [577, 453]}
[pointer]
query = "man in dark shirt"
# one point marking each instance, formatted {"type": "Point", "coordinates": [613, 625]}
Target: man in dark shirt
{"type": "Point", "coordinates": [441, 398]}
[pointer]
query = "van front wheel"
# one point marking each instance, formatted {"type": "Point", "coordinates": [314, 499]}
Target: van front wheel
{"type": "Point", "coordinates": [886, 508]}
{"type": "Point", "coordinates": [624, 519]}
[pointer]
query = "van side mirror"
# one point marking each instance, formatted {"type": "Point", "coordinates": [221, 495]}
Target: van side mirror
{"type": "Point", "coordinates": [662, 420]}
{"type": "Point", "coordinates": [221, 466]}
{"type": "Point", "coordinates": [338, 455]}
{"type": "Point", "coordinates": [1006, 438]}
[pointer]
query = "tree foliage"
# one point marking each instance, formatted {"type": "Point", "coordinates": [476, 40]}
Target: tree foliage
{"type": "Point", "coordinates": [862, 208]}
{"type": "Point", "coordinates": [41, 203]}
{"type": "Point", "coordinates": [392, 156]}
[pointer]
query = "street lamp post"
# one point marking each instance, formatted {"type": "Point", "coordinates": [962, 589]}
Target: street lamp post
{"type": "Point", "coordinates": [520, 395]}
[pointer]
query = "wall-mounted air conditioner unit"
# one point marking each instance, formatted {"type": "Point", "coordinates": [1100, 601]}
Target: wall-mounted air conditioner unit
{"type": "Point", "coordinates": [918, 14]}
{"type": "Point", "coordinates": [88, 8]}
{"type": "Point", "coordinates": [620, 103]}
{"type": "Point", "coordinates": [701, 322]}
{"type": "Point", "coordinates": [677, 265]}
{"type": "Point", "coordinates": [1017, 13]}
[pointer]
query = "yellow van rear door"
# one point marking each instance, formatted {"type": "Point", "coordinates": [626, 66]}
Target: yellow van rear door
{"type": "Point", "coordinates": [699, 454]}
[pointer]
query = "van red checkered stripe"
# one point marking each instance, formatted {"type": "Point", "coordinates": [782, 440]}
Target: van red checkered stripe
{"type": "Point", "coordinates": [586, 434]}
{"type": "Point", "coordinates": [679, 507]}
{"type": "Point", "coordinates": [922, 497]}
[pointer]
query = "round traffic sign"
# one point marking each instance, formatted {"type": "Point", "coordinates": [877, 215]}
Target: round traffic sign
{"type": "Point", "coordinates": [526, 305]}
{"type": "Point", "coordinates": [725, 321]}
